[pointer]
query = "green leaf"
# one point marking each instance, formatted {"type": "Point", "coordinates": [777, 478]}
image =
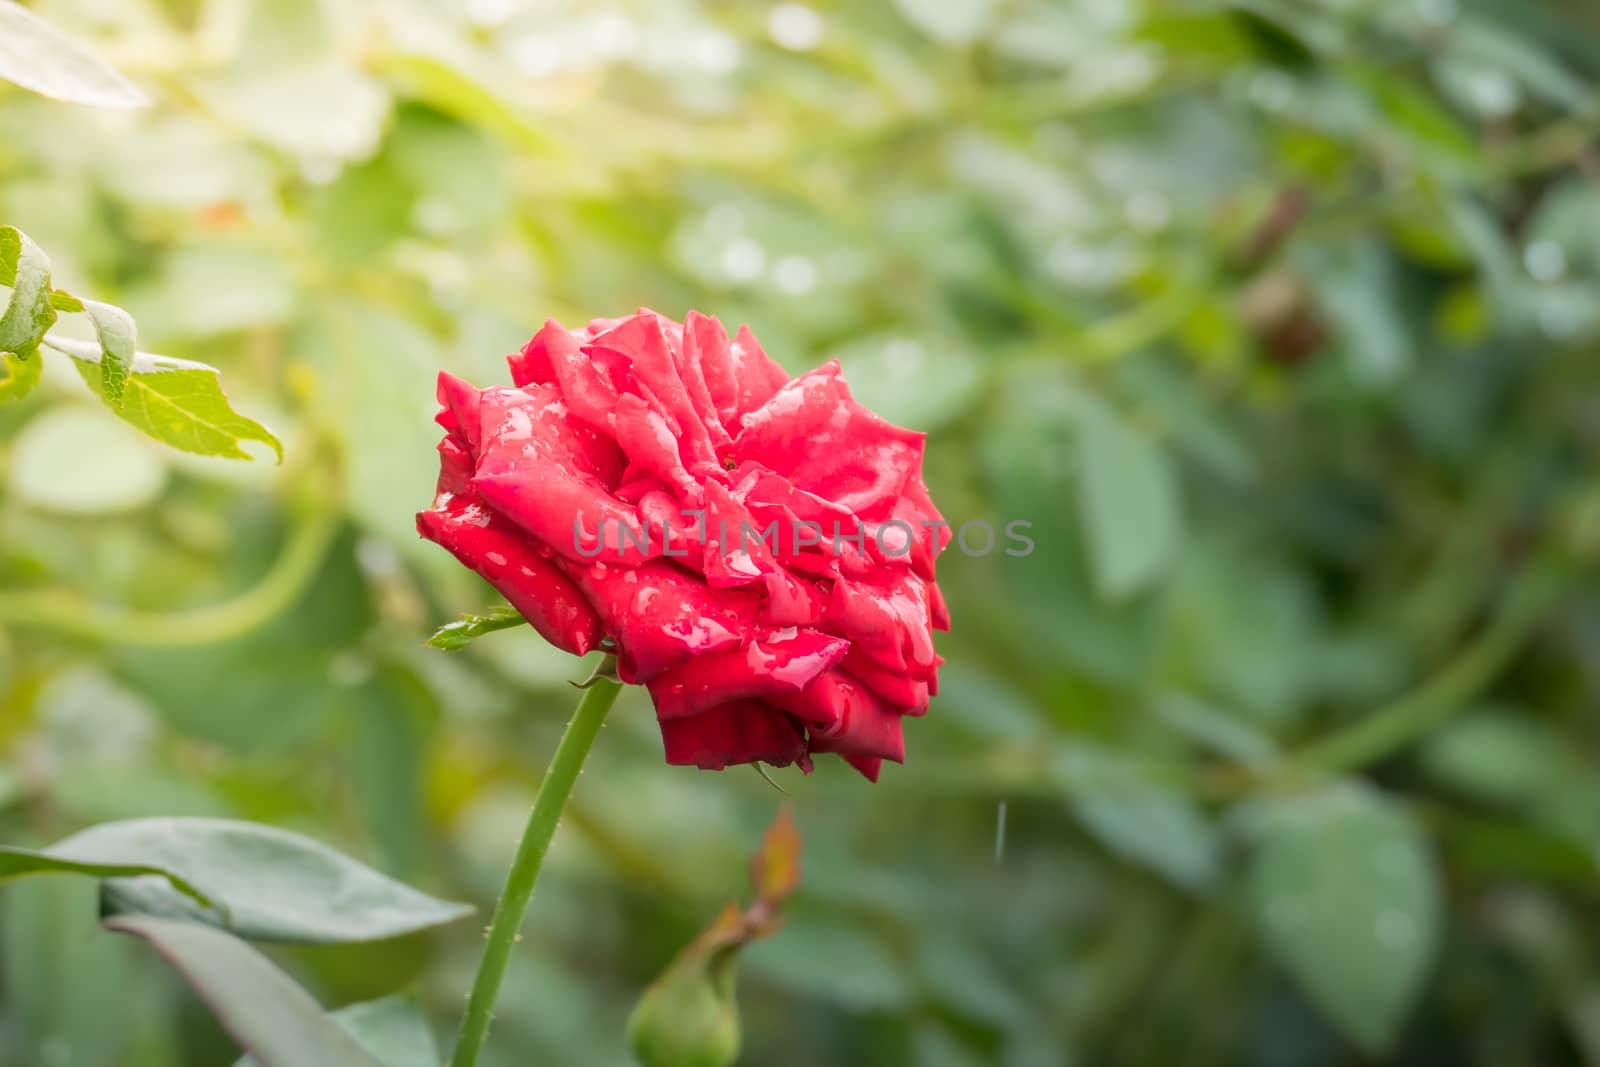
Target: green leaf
{"type": "Point", "coordinates": [453, 636]}
{"type": "Point", "coordinates": [19, 374]}
{"type": "Point", "coordinates": [79, 460]}
{"type": "Point", "coordinates": [257, 881]}
{"type": "Point", "coordinates": [118, 342]}
{"type": "Point", "coordinates": [1513, 761]}
{"type": "Point", "coordinates": [262, 1008]}
{"type": "Point", "coordinates": [1127, 503]}
{"type": "Point", "coordinates": [911, 381]}
{"type": "Point", "coordinates": [1214, 729]}
{"type": "Point", "coordinates": [1502, 758]}
{"type": "Point", "coordinates": [1485, 42]}
{"type": "Point", "coordinates": [37, 56]}
{"type": "Point", "coordinates": [21, 862]}
{"type": "Point", "coordinates": [391, 717]}
{"type": "Point", "coordinates": [1418, 120]}
{"type": "Point", "coordinates": [1356, 288]}
{"type": "Point", "coordinates": [73, 996]}
{"type": "Point", "coordinates": [834, 961]}
{"type": "Point", "coordinates": [1344, 887]}
{"type": "Point", "coordinates": [24, 267]}
{"type": "Point", "coordinates": [451, 91]}
{"type": "Point", "coordinates": [1145, 822]}
{"type": "Point", "coordinates": [1190, 419]}
{"type": "Point", "coordinates": [392, 1029]}
{"type": "Point", "coordinates": [177, 402]}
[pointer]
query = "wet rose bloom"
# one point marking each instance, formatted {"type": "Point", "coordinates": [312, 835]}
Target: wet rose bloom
{"type": "Point", "coordinates": [759, 550]}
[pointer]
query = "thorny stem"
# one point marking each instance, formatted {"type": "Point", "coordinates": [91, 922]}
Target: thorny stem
{"type": "Point", "coordinates": [513, 904]}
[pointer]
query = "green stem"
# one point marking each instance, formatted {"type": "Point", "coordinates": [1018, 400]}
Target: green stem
{"type": "Point", "coordinates": [1395, 725]}
{"type": "Point", "coordinates": [279, 588]}
{"type": "Point", "coordinates": [553, 793]}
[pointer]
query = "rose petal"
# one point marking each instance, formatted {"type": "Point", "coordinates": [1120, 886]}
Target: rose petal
{"type": "Point", "coordinates": [550, 475]}
{"type": "Point", "coordinates": [758, 376]}
{"type": "Point", "coordinates": [459, 405]}
{"type": "Point", "coordinates": [783, 662]}
{"type": "Point", "coordinates": [649, 444]}
{"type": "Point", "coordinates": [456, 467]}
{"type": "Point", "coordinates": [866, 726]}
{"type": "Point", "coordinates": [792, 601]}
{"type": "Point", "coordinates": [932, 532]}
{"type": "Point", "coordinates": [867, 765]}
{"type": "Point", "coordinates": [741, 731]}
{"type": "Point", "coordinates": [896, 688]}
{"type": "Point", "coordinates": [644, 340]}
{"type": "Point", "coordinates": [531, 365]}
{"type": "Point", "coordinates": [700, 333]}
{"type": "Point", "coordinates": [887, 618]}
{"type": "Point", "coordinates": [735, 547]}
{"type": "Point", "coordinates": [762, 551]}
{"type": "Point", "coordinates": [814, 432]}
{"type": "Point", "coordinates": [739, 376]}
{"type": "Point", "coordinates": [553, 605]}
{"type": "Point", "coordinates": [662, 616]}
{"type": "Point", "coordinates": [938, 609]}
{"type": "Point", "coordinates": [555, 355]}
{"type": "Point", "coordinates": [844, 715]}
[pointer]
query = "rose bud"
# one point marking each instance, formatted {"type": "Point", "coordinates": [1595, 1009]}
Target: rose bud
{"type": "Point", "coordinates": [689, 1017]}
{"type": "Point", "coordinates": [758, 550]}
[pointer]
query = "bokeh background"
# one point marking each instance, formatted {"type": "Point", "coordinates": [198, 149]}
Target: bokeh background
{"type": "Point", "coordinates": [1276, 318]}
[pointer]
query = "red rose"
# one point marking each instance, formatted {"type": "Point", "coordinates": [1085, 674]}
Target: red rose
{"type": "Point", "coordinates": [759, 549]}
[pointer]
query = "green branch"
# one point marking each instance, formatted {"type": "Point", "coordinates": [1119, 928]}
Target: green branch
{"type": "Point", "coordinates": [1395, 725]}
{"type": "Point", "coordinates": [289, 577]}
{"type": "Point", "coordinates": [513, 904]}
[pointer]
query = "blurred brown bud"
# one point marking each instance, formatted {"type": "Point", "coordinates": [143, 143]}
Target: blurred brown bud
{"type": "Point", "coordinates": [1278, 311]}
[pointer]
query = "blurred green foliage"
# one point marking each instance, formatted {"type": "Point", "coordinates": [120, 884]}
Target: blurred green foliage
{"type": "Point", "coordinates": [1277, 319]}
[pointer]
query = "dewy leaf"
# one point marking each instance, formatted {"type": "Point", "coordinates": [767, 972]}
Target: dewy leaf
{"type": "Point", "coordinates": [177, 402]}
{"type": "Point", "coordinates": [26, 269]}
{"type": "Point", "coordinates": [453, 636]}
{"type": "Point", "coordinates": [1127, 503]}
{"type": "Point", "coordinates": [261, 1007]}
{"type": "Point", "coordinates": [118, 342]}
{"type": "Point", "coordinates": [37, 56]}
{"type": "Point", "coordinates": [392, 1029]}
{"type": "Point", "coordinates": [257, 881]}
{"type": "Point", "coordinates": [1343, 885]}
{"type": "Point", "coordinates": [19, 374]}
